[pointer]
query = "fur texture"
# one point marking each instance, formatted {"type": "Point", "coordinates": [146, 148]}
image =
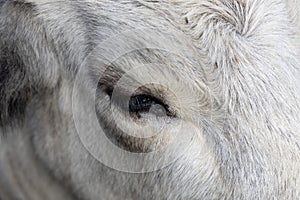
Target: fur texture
{"type": "Point", "coordinates": [227, 70]}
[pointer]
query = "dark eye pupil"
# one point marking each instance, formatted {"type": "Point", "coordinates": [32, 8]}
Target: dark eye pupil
{"type": "Point", "coordinates": [148, 104]}
{"type": "Point", "coordinates": [142, 103]}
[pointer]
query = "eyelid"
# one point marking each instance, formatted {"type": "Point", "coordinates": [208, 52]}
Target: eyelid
{"type": "Point", "coordinates": [110, 79]}
{"type": "Point", "coordinates": [108, 83]}
{"type": "Point", "coordinates": [123, 96]}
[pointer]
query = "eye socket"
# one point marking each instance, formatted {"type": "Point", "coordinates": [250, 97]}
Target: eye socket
{"type": "Point", "coordinates": [142, 104]}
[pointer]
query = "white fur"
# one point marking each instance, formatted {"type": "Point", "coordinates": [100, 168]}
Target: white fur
{"type": "Point", "coordinates": [232, 77]}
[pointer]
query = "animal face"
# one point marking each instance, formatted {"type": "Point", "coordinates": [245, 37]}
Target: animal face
{"type": "Point", "coordinates": [149, 99]}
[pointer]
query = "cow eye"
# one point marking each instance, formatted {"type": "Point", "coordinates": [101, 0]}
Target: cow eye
{"type": "Point", "coordinates": [143, 104]}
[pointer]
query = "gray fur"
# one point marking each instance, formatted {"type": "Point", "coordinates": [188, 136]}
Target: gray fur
{"type": "Point", "coordinates": [236, 74]}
